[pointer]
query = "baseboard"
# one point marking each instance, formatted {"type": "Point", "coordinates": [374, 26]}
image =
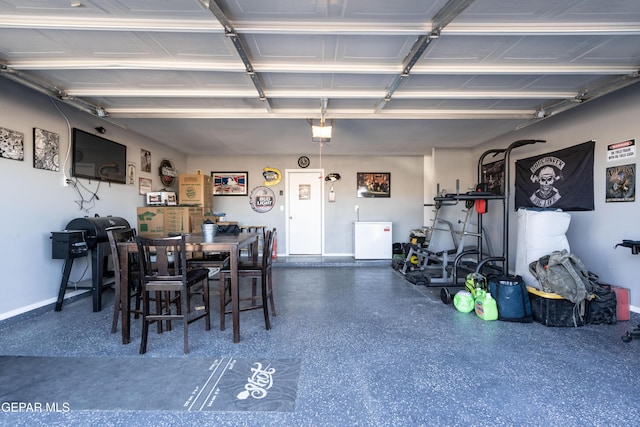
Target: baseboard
{"type": "Point", "coordinates": [14, 316]}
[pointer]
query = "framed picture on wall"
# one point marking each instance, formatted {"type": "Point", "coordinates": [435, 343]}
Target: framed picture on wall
{"type": "Point", "coordinates": [11, 144]}
{"type": "Point", "coordinates": [230, 183]}
{"type": "Point", "coordinates": [493, 177]}
{"type": "Point", "coordinates": [45, 149]}
{"type": "Point", "coordinates": [145, 185]}
{"type": "Point", "coordinates": [373, 184]}
{"type": "Point", "coordinates": [621, 183]}
{"type": "Point", "coordinates": [131, 173]}
{"type": "Point", "coordinates": [145, 160]}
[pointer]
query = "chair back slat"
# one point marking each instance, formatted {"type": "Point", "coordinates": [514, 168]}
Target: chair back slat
{"type": "Point", "coordinates": [163, 258]}
{"type": "Point", "coordinates": [267, 248]}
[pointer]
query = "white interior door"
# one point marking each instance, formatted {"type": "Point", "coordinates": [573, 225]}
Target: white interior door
{"type": "Point", "coordinates": [305, 212]}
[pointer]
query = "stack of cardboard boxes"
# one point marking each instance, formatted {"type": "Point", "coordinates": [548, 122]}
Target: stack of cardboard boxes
{"type": "Point", "coordinates": [195, 205]}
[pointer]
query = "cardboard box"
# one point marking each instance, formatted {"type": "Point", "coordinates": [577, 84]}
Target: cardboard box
{"type": "Point", "coordinates": [195, 190]}
{"type": "Point", "coordinates": [160, 221]}
{"type": "Point", "coordinates": [551, 309]}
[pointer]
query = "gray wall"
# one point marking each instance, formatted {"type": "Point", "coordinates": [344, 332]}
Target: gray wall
{"type": "Point", "coordinates": [35, 203]}
{"type": "Point", "coordinates": [403, 208]}
{"type": "Point", "coordinates": [592, 235]}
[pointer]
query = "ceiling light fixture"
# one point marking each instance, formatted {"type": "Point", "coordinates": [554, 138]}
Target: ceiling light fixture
{"type": "Point", "coordinates": [321, 132]}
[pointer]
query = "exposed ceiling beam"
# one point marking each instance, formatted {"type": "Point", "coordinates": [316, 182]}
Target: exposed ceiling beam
{"type": "Point", "coordinates": [110, 24]}
{"type": "Point", "coordinates": [298, 113]}
{"type": "Point", "coordinates": [546, 29]}
{"type": "Point", "coordinates": [198, 25]}
{"type": "Point", "coordinates": [293, 67]}
{"type": "Point", "coordinates": [324, 94]}
{"type": "Point", "coordinates": [527, 69]}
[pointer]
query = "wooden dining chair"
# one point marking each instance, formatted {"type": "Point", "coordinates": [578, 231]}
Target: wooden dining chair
{"type": "Point", "coordinates": [254, 270]}
{"type": "Point", "coordinates": [257, 229]}
{"type": "Point", "coordinates": [213, 261]}
{"type": "Point", "coordinates": [168, 275]}
{"type": "Point", "coordinates": [116, 236]}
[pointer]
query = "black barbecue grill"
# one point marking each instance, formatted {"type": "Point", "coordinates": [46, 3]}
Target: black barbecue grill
{"type": "Point", "coordinates": [97, 241]}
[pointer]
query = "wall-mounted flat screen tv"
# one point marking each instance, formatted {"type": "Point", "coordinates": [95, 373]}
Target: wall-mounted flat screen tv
{"type": "Point", "coordinates": [98, 158]}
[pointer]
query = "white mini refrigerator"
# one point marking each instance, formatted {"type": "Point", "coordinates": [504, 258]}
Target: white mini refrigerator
{"type": "Point", "coordinates": [372, 240]}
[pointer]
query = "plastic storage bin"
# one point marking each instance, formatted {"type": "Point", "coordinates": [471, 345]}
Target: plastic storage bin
{"type": "Point", "coordinates": [552, 310]}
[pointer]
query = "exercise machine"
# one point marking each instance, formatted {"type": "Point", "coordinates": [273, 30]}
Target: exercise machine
{"type": "Point", "coordinates": [480, 198]}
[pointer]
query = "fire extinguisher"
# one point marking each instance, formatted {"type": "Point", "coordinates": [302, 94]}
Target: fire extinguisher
{"type": "Point", "coordinates": [274, 251]}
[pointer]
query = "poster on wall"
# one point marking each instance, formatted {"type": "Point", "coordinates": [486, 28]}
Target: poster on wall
{"type": "Point", "coordinates": [561, 179]}
{"type": "Point", "coordinates": [145, 185]}
{"type": "Point", "coordinates": [373, 184]}
{"type": "Point", "coordinates": [493, 176]}
{"type": "Point", "coordinates": [145, 160]}
{"type": "Point", "coordinates": [621, 183]}
{"type": "Point", "coordinates": [131, 173]}
{"type": "Point", "coordinates": [621, 150]}
{"type": "Point", "coordinates": [230, 183]}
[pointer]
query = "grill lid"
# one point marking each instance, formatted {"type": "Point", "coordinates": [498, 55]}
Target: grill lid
{"type": "Point", "coordinates": [96, 227]}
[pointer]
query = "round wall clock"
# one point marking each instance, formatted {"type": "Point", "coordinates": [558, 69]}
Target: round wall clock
{"type": "Point", "coordinates": [303, 161]}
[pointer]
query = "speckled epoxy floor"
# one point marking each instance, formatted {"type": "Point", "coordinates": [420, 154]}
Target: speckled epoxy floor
{"type": "Point", "coordinates": [375, 350]}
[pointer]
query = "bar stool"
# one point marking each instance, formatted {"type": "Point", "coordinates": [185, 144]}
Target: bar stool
{"type": "Point", "coordinates": [254, 270]}
{"type": "Point", "coordinates": [169, 275]}
{"type": "Point", "coordinates": [124, 235]}
{"type": "Point", "coordinates": [260, 229]}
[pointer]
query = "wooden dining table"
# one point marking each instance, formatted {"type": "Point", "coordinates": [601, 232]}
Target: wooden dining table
{"type": "Point", "coordinates": [195, 243]}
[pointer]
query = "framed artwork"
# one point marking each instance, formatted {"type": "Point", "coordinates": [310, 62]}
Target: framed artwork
{"type": "Point", "coordinates": [145, 160]}
{"type": "Point", "coordinates": [373, 184]}
{"type": "Point", "coordinates": [11, 144]}
{"type": "Point", "coordinates": [145, 185]}
{"type": "Point", "coordinates": [621, 183]}
{"type": "Point", "coordinates": [230, 183]}
{"type": "Point", "coordinates": [131, 173]}
{"type": "Point", "coordinates": [304, 192]}
{"type": "Point", "coordinates": [46, 146]}
{"type": "Point", "coordinates": [493, 177]}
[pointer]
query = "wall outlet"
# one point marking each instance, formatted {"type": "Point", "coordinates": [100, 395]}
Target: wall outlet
{"type": "Point", "coordinates": [357, 208]}
{"type": "Point", "coordinates": [65, 181]}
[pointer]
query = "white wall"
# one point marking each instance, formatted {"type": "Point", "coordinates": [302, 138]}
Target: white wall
{"type": "Point", "coordinates": [447, 171]}
{"type": "Point", "coordinates": [35, 203]}
{"type": "Point", "coordinates": [403, 208]}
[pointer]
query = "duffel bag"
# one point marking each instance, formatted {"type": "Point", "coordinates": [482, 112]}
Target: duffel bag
{"type": "Point", "coordinates": [512, 298]}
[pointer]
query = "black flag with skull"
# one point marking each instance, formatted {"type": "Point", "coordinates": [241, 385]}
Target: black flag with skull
{"type": "Point", "coordinates": [559, 180]}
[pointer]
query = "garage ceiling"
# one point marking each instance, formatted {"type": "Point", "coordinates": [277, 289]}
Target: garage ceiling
{"type": "Point", "coordinates": [396, 77]}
